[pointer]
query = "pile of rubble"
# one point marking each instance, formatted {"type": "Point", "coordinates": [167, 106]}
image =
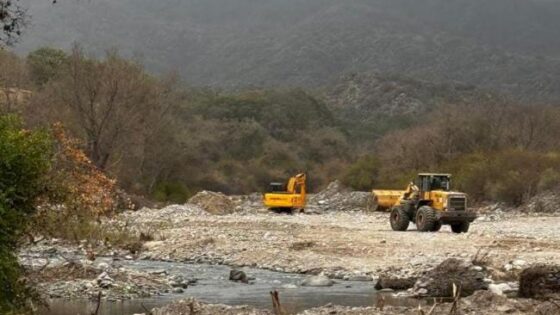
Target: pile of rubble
{"type": "Point", "coordinates": [540, 282]}
{"type": "Point", "coordinates": [546, 202]}
{"type": "Point", "coordinates": [79, 280]}
{"type": "Point", "coordinates": [213, 202]}
{"type": "Point", "coordinates": [439, 281]}
{"type": "Point", "coordinates": [336, 197]}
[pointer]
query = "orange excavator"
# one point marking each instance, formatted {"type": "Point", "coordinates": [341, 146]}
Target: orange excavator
{"type": "Point", "coordinates": [287, 197]}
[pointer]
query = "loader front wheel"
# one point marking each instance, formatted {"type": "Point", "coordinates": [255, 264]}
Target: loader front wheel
{"type": "Point", "coordinates": [426, 219]}
{"type": "Point", "coordinates": [399, 219]}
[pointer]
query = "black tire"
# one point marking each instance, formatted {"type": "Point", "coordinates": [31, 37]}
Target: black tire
{"type": "Point", "coordinates": [426, 219]}
{"type": "Point", "coordinates": [462, 227]}
{"type": "Point", "coordinates": [437, 226]}
{"type": "Point", "coordinates": [399, 219]}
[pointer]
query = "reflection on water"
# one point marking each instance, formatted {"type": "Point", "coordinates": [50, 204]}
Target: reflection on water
{"type": "Point", "coordinates": [214, 287]}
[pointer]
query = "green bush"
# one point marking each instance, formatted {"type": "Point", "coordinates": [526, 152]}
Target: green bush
{"type": "Point", "coordinates": [510, 176]}
{"type": "Point", "coordinates": [171, 191]}
{"type": "Point", "coordinates": [24, 162]}
{"type": "Point", "coordinates": [363, 174]}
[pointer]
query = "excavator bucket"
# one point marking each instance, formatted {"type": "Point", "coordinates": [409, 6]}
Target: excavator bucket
{"type": "Point", "coordinates": [384, 200]}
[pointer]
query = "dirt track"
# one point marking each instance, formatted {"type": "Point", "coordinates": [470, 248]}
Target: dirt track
{"type": "Point", "coordinates": [346, 244]}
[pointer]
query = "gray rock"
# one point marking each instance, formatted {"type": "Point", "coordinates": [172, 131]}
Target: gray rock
{"type": "Point", "coordinates": [238, 276]}
{"type": "Point", "coordinates": [317, 281]}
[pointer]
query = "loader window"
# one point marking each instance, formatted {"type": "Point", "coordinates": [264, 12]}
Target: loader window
{"type": "Point", "coordinates": [436, 183]}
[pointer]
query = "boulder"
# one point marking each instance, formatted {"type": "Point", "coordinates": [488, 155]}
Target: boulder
{"type": "Point", "coordinates": [238, 276]}
{"type": "Point", "coordinates": [386, 282]}
{"type": "Point", "coordinates": [317, 281]}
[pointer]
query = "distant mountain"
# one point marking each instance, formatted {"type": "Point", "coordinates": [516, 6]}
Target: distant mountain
{"type": "Point", "coordinates": [370, 105]}
{"type": "Point", "coordinates": [511, 46]}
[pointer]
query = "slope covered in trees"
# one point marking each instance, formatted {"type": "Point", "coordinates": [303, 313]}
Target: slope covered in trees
{"type": "Point", "coordinates": [163, 139]}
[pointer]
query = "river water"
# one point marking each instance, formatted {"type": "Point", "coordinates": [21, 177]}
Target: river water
{"type": "Point", "coordinates": [213, 286]}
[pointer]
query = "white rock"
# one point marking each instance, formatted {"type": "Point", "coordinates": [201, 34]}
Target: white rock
{"type": "Point", "coordinates": [103, 265]}
{"type": "Point", "coordinates": [500, 288]}
{"type": "Point", "coordinates": [317, 281]}
{"type": "Point", "coordinates": [422, 291]}
{"type": "Point", "coordinates": [519, 263]}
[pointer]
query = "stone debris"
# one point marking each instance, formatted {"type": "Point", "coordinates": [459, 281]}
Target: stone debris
{"type": "Point", "coordinates": [192, 306]}
{"type": "Point", "coordinates": [336, 197]}
{"type": "Point", "coordinates": [480, 303]}
{"type": "Point", "coordinates": [213, 202]}
{"type": "Point", "coordinates": [545, 202]}
{"type": "Point", "coordinates": [540, 282]}
{"type": "Point", "coordinates": [439, 281]}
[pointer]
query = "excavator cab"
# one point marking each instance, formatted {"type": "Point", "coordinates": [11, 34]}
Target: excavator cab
{"type": "Point", "coordinates": [288, 197]}
{"type": "Point", "coordinates": [276, 187]}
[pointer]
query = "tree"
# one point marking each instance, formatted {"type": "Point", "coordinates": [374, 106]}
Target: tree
{"type": "Point", "coordinates": [45, 64]}
{"type": "Point", "coordinates": [25, 158]}
{"type": "Point", "coordinates": [13, 83]}
{"type": "Point", "coordinates": [108, 103]}
{"type": "Point", "coordinates": [363, 174]}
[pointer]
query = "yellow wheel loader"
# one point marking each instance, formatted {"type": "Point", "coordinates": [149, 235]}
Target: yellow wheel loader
{"type": "Point", "coordinates": [428, 202]}
{"type": "Point", "coordinates": [287, 197]}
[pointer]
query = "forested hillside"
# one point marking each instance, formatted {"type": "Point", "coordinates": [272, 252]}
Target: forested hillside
{"type": "Point", "coordinates": [166, 140]}
{"type": "Point", "coordinates": [510, 46]}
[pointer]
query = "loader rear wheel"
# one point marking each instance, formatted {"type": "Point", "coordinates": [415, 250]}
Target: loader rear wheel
{"type": "Point", "coordinates": [399, 219]}
{"type": "Point", "coordinates": [462, 227]}
{"type": "Point", "coordinates": [426, 219]}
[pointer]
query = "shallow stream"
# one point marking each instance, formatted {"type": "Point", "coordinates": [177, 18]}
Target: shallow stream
{"type": "Point", "coordinates": [213, 286]}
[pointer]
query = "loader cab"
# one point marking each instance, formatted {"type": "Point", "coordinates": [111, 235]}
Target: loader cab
{"type": "Point", "coordinates": [427, 182]}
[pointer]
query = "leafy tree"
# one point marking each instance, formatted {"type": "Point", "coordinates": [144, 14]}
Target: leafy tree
{"type": "Point", "coordinates": [45, 64]}
{"type": "Point", "coordinates": [25, 158]}
{"type": "Point", "coordinates": [363, 174]}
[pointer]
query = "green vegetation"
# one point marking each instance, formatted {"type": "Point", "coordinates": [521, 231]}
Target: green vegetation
{"type": "Point", "coordinates": [164, 140]}
{"type": "Point", "coordinates": [25, 158]}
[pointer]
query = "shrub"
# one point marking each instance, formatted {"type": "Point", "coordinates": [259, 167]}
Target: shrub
{"type": "Point", "coordinates": [363, 174]}
{"type": "Point", "coordinates": [24, 162]}
{"type": "Point", "coordinates": [172, 191]}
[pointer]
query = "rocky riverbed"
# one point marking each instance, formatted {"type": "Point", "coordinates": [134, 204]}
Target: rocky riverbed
{"type": "Point", "coordinates": [344, 245]}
